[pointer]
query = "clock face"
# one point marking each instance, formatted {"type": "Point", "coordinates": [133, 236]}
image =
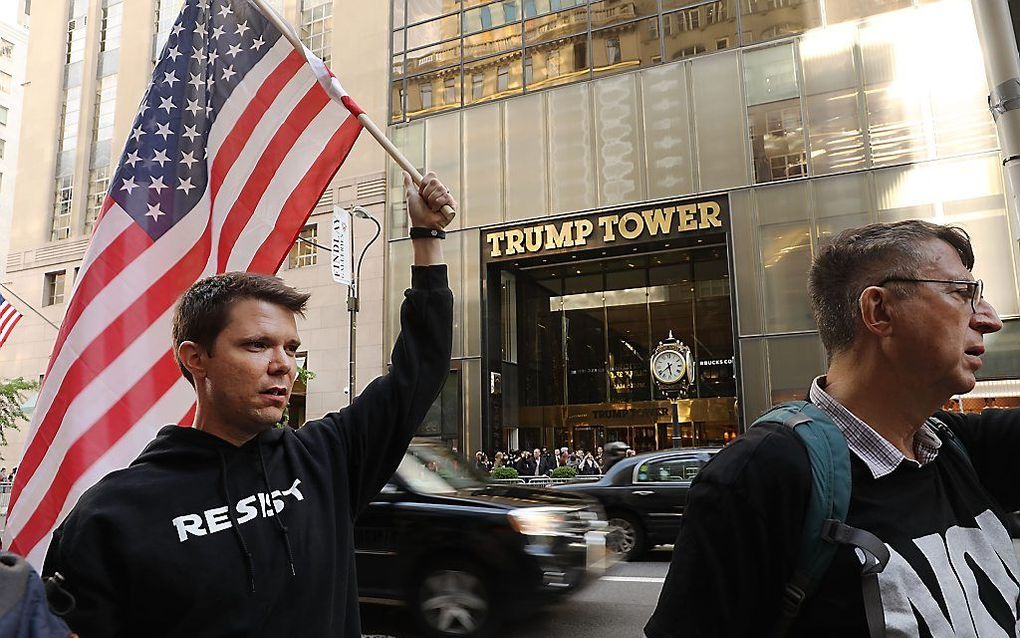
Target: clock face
{"type": "Point", "coordinates": [668, 366]}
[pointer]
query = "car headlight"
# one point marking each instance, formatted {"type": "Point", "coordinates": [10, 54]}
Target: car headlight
{"type": "Point", "coordinates": [538, 521]}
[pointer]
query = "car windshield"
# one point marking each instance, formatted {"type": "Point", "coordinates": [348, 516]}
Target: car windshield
{"type": "Point", "coordinates": [434, 469]}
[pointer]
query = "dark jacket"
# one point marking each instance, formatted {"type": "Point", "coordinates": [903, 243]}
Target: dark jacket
{"type": "Point", "coordinates": [526, 467]}
{"type": "Point", "coordinates": [944, 523]}
{"type": "Point", "coordinates": [24, 612]}
{"type": "Point", "coordinates": [201, 538]}
{"type": "Point", "coordinates": [548, 464]}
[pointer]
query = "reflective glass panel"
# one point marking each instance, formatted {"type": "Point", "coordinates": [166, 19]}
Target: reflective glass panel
{"type": "Point", "coordinates": [558, 62]}
{"type": "Point", "coordinates": [793, 363]}
{"type": "Point", "coordinates": [492, 15]}
{"type": "Point", "coordinates": [837, 11]}
{"type": "Point", "coordinates": [442, 153]}
{"type": "Point", "coordinates": [399, 13]}
{"type": "Point", "coordinates": [719, 116]}
{"type": "Point", "coordinates": [557, 25]}
{"type": "Point", "coordinates": [626, 47]}
{"type": "Point", "coordinates": [618, 136]}
{"type": "Point", "coordinates": [420, 10]}
{"type": "Point", "coordinates": [785, 237]}
{"type": "Point", "coordinates": [667, 130]}
{"type": "Point", "coordinates": [832, 100]}
{"type": "Point", "coordinates": [773, 114]}
{"type": "Point", "coordinates": [769, 19]}
{"type": "Point", "coordinates": [488, 43]}
{"type": "Point", "coordinates": [396, 101]}
{"type": "Point", "coordinates": [433, 92]}
{"type": "Point", "coordinates": [397, 69]}
{"type": "Point", "coordinates": [526, 164]}
{"type": "Point", "coordinates": [410, 139]}
{"type": "Point", "coordinates": [483, 166]}
{"type": "Point", "coordinates": [959, 92]}
{"type": "Point", "coordinates": [896, 90]}
{"type": "Point", "coordinates": [700, 29]}
{"type": "Point", "coordinates": [434, 57]}
{"type": "Point", "coordinates": [492, 79]}
{"type": "Point", "coordinates": [398, 267]}
{"type": "Point", "coordinates": [435, 31]}
{"type": "Point", "coordinates": [534, 8]}
{"type": "Point", "coordinates": [840, 203]}
{"type": "Point", "coordinates": [609, 12]}
{"type": "Point", "coordinates": [398, 41]}
{"type": "Point", "coordinates": [571, 167]}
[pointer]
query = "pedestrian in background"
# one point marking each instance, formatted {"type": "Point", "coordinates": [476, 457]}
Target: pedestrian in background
{"type": "Point", "coordinates": [903, 322]}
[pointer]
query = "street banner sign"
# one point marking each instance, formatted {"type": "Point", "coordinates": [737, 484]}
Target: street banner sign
{"type": "Point", "coordinates": [340, 261]}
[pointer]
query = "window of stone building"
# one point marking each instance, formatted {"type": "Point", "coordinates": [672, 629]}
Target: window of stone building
{"type": "Point", "coordinates": [6, 82]}
{"type": "Point", "coordinates": [112, 19]}
{"type": "Point", "coordinates": [6, 49]}
{"type": "Point", "coordinates": [70, 112]}
{"type": "Point", "coordinates": [425, 91]}
{"type": "Point", "coordinates": [302, 253]}
{"type": "Point", "coordinates": [53, 288]}
{"type": "Point", "coordinates": [99, 182]}
{"type": "Point", "coordinates": [75, 44]}
{"type": "Point", "coordinates": [60, 227]}
{"type": "Point", "coordinates": [495, 14]}
{"type": "Point", "coordinates": [605, 13]}
{"type": "Point", "coordinates": [317, 27]}
{"type": "Point", "coordinates": [165, 14]}
{"type": "Point", "coordinates": [3, 115]}
{"type": "Point", "coordinates": [3, 147]}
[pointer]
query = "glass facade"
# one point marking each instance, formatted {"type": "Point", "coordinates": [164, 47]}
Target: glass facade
{"type": "Point", "coordinates": [814, 116]}
{"type": "Point", "coordinates": [491, 50]}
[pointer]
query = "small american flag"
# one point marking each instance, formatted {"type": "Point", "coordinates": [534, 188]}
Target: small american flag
{"type": "Point", "coordinates": [235, 141]}
{"type": "Point", "coordinates": [9, 317]}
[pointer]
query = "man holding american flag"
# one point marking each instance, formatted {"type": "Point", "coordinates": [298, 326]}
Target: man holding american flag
{"type": "Point", "coordinates": [232, 527]}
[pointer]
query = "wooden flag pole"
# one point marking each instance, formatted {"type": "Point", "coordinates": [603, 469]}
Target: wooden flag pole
{"type": "Point", "coordinates": [288, 32]}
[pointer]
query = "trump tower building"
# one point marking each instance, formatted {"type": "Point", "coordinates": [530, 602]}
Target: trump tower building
{"type": "Point", "coordinates": [629, 169]}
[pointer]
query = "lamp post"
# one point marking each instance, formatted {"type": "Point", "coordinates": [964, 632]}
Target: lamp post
{"type": "Point", "coordinates": [353, 303]}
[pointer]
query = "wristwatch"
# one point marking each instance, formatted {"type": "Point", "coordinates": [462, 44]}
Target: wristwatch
{"type": "Point", "coordinates": [417, 232]}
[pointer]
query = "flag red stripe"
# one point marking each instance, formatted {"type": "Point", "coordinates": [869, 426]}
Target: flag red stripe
{"type": "Point", "coordinates": [258, 182]}
{"type": "Point", "coordinates": [303, 198]}
{"type": "Point", "coordinates": [252, 115]}
{"type": "Point", "coordinates": [98, 355]}
{"type": "Point", "coordinates": [104, 433]}
{"type": "Point", "coordinates": [124, 249]}
{"type": "Point", "coordinates": [3, 337]}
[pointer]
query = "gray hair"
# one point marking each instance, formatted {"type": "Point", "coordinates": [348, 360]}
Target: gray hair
{"type": "Point", "coordinates": [864, 256]}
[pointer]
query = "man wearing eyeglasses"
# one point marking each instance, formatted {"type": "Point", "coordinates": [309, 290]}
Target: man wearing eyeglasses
{"type": "Point", "coordinates": [903, 321]}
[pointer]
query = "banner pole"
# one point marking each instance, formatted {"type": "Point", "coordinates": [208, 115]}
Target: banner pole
{"type": "Point", "coordinates": [288, 32]}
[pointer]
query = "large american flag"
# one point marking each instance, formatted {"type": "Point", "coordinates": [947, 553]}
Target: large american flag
{"type": "Point", "coordinates": [9, 317]}
{"type": "Point", "coordinates": [235, 141]}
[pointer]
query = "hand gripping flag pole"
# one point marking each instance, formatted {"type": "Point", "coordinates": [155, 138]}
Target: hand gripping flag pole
{"type": "Point", "coordinates": [336, 91]}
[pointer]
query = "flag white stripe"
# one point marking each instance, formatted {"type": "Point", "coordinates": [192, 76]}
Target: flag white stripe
{"type": "Point", "coordinates": [289, 174]}
{"type": "Point", "coordinates": [167, 409]}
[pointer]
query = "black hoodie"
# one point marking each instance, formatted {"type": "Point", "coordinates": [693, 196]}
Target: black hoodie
{"type": "Point", "coordinates": [198, 537]}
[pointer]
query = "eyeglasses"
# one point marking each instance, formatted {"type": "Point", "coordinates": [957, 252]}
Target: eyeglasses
{"type": "Point", "coordinates": [975, 287]}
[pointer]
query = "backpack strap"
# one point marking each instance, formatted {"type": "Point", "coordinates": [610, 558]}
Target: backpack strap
{"type": "Point", "coordinates": [824, 521]}
{"type": "Point", "coordinates": [946, 435]}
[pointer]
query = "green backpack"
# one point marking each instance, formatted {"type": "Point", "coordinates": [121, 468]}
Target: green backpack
{"type": "Point", "coordinates": [825, 525]}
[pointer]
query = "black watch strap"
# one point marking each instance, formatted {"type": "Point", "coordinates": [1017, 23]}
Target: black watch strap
{"type": "Point", "coordinates": [417, 232]}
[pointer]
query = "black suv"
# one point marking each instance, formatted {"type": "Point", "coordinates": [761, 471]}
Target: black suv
{"type": "Point", "coordinates": [644, 497]}
{"type": "Point", "coordinates": [463, 552]}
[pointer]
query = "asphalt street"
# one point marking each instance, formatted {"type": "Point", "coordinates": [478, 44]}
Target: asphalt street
{"type": "Point", "coordinates": [617, 606]}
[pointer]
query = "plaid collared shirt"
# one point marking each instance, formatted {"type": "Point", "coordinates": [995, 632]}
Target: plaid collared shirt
{"type": "Point", "coordinates": [878, 454]}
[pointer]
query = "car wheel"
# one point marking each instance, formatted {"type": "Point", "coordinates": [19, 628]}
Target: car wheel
{"type": "Point", "coordinates": [453, 600]}
{"type": "Point", "coordinates": [625, 538]}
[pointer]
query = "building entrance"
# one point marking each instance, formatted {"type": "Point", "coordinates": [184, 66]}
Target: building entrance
{"type": "Point", "coordinates": [574, 343]}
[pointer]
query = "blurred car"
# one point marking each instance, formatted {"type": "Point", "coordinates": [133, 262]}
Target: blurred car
{"type": "Point", "coordinates": [644, 497]}
{"type": "Point", "coordinates": [463, 552]}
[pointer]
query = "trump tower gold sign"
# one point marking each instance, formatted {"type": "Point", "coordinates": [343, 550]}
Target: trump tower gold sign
{"type": "Point", "coordinates": [609, 229]}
